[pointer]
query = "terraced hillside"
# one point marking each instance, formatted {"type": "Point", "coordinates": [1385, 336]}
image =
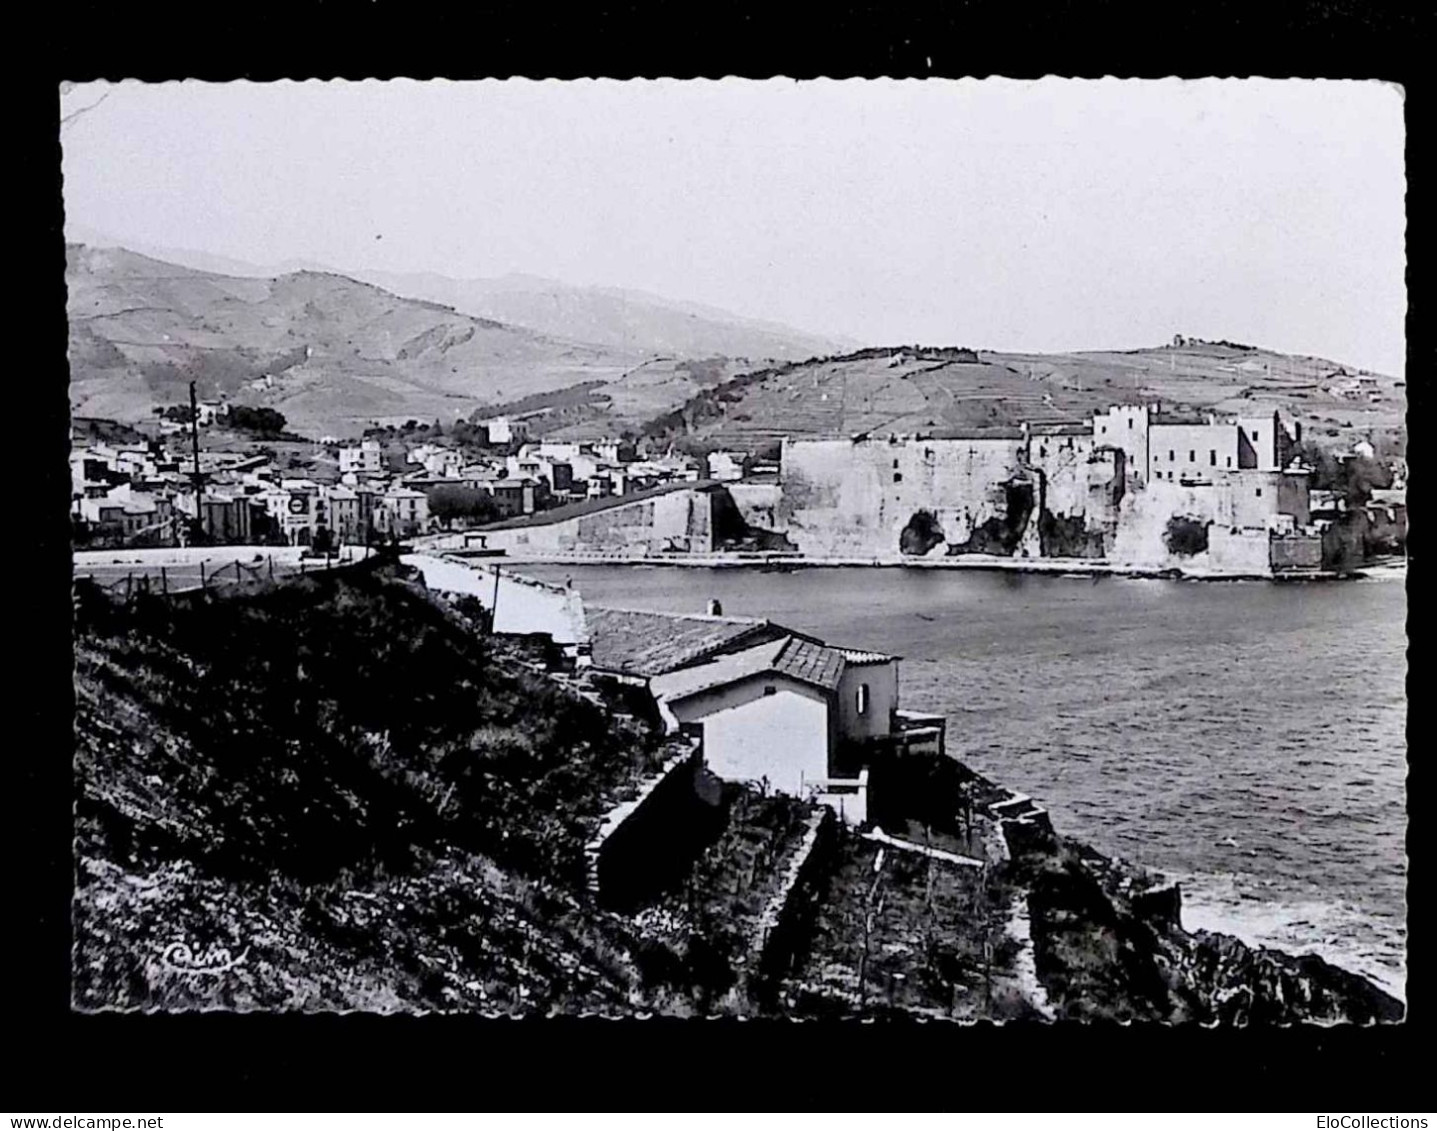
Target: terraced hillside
{"type": "Point", "coordinates": [928, 390]}
{"type": "Point", "coordinates": [340, 353]}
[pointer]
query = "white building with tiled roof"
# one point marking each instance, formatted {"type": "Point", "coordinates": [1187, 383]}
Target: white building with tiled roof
{"type": "Point", "coordinates": [772, 706]}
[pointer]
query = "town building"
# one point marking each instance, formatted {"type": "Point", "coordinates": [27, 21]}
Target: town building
{"type": "Point", "coordinates": [401, 512]}
{"type": "Point", "coordinates": [504, 430]}
{"type": "Point", "coordinates": [364, 458]}
{"type": "Point", "coordinates": [726, 467]}
{"type": "Point", "coordinates": [1106, 489]}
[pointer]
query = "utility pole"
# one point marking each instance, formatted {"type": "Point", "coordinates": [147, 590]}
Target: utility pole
{"type": "Point", "coordinates": [494, 604]}
{"type": "Point", "coordinates": [195, 446]}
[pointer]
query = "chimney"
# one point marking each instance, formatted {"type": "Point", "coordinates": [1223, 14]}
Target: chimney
{"type": "Point", "coordinates": [715, 609]}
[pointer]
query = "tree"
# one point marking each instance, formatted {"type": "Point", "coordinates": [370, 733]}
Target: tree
{"type": "Point", "coordinates": [1354, 478]}
{"type": "Point", "coordinates": [448, 503]}
{"type": "Point", "coordinates": [1186, 536]}
{"type": "Point", "coordinates": [266, 421]}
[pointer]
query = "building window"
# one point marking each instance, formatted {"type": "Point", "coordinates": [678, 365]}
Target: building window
{"type": "Point", "coordinates": [1212, 457]}
{"type": "Point", "coordinates": [1192, 456]}
{"type": "Point", "coordinates": [1259, 492]}
{"type": "Point", "coordinates": [895, 465]}
{"type": "Point", "coordinates": [1254, 434]}
{"type": "Point", "coordinates": [898, 477]}
{"type": "Point", "coordinates": [862, 698]}
{"type": "Point", "coordinates": [1172, 456]}
{"type": "Point", "coordinates": [1130, 422]}
{"type": "Point", "coordinates": [1105, 429]}
{"type": "Point", "coordinates": [770, 689]}
{"type": "Point", "coordinates": [1229, 461]}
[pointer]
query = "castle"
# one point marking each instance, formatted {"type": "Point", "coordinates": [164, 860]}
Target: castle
{"type": "Point", "coordinates": [1135, 486]}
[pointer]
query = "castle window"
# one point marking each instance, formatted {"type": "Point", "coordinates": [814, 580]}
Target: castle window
{"type": "Point", "coordinates": [770, 689]}
{"type": "Point", "coordinates": [1259, 492]}
{"type": "Point", "coordinates": [1130, 422]}
{"type": "Point", "coordinates": [862, 699]}
{"type": "Point", "coordinates": [1212, 457]}
{"type": "Point", "coordinates": [1229, 461]}
{"type": "Point", "coordinates": [898, 477]}
{"type": "Point", "coordinates": [1172, 456]}
{"type": "Point", "coordinates": [1192, 456]}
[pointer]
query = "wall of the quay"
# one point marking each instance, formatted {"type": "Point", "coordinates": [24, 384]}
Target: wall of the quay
{"type": "Point", "coordinates": [675, 521]}
{"type": "Point", "coordinates": [857, 496]}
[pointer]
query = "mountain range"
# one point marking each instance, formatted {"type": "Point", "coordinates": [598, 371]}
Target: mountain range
{"type": "Point", "coordinates": [335, 354]}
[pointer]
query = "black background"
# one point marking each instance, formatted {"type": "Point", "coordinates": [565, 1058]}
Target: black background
{"type": "Point", "coordinates": [70, 1062]}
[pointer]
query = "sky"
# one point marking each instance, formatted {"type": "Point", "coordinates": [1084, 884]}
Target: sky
{"type": "Point", "coordinates": [1006, 215]}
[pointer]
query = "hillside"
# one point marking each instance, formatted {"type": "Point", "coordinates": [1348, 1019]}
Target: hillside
{"type": "Point", "coordinates": [929, 390]}
{"type": "Point", "coordinates": [613, 317]}
{"type": "Point", "coordinates": [341, 353]}
{"type": "Point", "coordinates": [354, 795]}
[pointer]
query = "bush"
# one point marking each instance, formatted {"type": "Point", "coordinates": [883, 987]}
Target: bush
{"type": "Point", "coordinates": [1186, 536]}
{"type": "Point", "coordinates": [265, 421]}
{"type": "Point", "coordinates": [448, 503]}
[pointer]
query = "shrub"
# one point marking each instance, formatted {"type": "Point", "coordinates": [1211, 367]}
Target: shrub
{"type": "Point", "coordinates": [1186, 536]}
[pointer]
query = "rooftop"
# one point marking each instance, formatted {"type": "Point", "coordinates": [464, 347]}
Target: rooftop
{"type": "Point", "coordinates": [1169, 416]}
{"type": "Point", "coordinates": [796, 657]}
{"type": "Point", "coordinates": [646, 644]}
{"type": "Point", "coordinates": [811, 662]}
{"type": "Point", "coordinates": [1061, 428]}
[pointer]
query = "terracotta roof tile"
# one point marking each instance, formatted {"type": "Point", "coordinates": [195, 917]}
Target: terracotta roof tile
{"type": "Point", "coordinates": [811, 662]}
{"type": "Point", "coordinates": [646, 644]}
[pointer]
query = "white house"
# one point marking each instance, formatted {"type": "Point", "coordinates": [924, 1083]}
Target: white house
{"type": "Point", "coordinates": [365, 458]}
{"type": "Point", "coordinates": [772, 707]}
{"type": "Point", "coordinates": [727, 467]}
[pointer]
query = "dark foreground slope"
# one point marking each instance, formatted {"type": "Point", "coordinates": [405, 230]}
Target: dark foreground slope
{"type": "Point", "coordinates": [335, 794]}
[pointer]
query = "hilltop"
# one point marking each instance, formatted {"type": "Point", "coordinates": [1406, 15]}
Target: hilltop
{"type": "Point", "coordinates": [920, 389]}
{"type": "Point", "coordinates": [614, 317]}
{"type": "Point", "coordinates": [339, 352]}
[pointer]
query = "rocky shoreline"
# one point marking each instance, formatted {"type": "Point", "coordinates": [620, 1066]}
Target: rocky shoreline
{"type": "Point", "coordinates": [1109, 942]}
